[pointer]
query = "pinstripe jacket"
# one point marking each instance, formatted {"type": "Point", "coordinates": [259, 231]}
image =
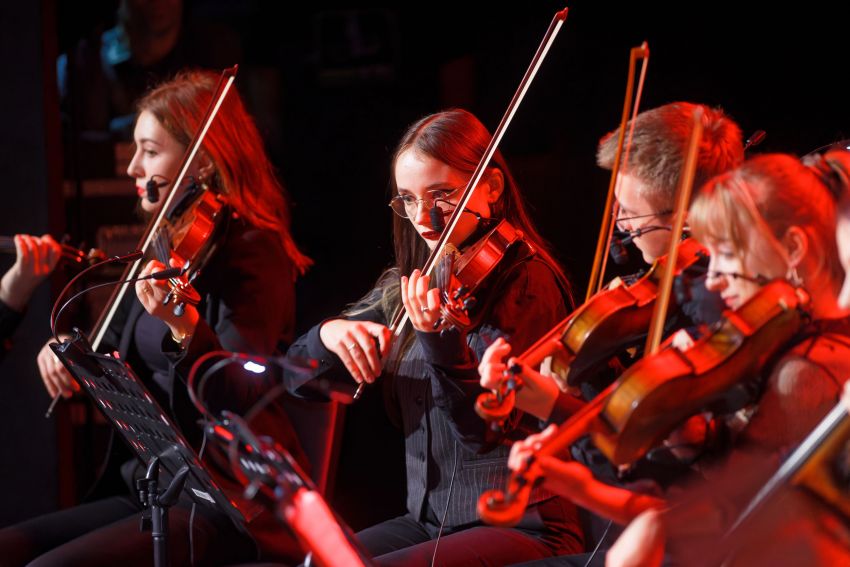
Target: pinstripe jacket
{"type": "Point", "coordinates": [450, 455]}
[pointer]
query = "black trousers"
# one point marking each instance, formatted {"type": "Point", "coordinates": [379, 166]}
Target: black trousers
{"type": "Point", "coordinates": [106, 533]}
{"type": "Point", "coordinates": [545, 531]}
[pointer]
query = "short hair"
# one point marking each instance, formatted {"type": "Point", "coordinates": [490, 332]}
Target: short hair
{"type": "Point", "coordinates": [659, 144]}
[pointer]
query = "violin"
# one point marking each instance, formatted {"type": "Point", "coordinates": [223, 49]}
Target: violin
{"type": "Point", "coordinates": [459, 276]}
{"type": "Point", "coordinates": [398, 322]}
{"type": "Point", "coordinates": [614, 319]}
{"type": "Point", "coordinates": [566, 340]}
{"type": "Point", "coordinates": [160, 230]}
{"type": "Point", "coordinates": [189, 235]}
{"type": "Point", "coordinates": [819, 464]}
{"type": "Point", "coordinates": [719, 373]}
{"type": "Point", "coordinates": [72, 256]}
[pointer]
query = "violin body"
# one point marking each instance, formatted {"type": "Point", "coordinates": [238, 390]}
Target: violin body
{"type": "Point", "coordinates": [719, 373]}
{"type": "Point", "coordinates": [189, 234]}
{"type": "Point", "coordinates": [612, 320]}
{"type": "Point", "coordinates": [193, 233]}
{"type": "Point", "coordinates": [657, 394]}
{"type": "Point", "coordinates": [459, 276]}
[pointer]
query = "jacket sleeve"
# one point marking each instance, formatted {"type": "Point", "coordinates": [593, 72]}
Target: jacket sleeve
{"type": "Point", "coordinates": [527, 304]}
{"type": "Point", "coordinates": [249, 294]}
{"type": "Point", "coordinates": [313, 371]}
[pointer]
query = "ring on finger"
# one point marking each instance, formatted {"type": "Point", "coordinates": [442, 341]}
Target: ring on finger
{"type": "Point", "coordinates": [352, 346]}
{"type": "Point", "coordinates": [424, 309]}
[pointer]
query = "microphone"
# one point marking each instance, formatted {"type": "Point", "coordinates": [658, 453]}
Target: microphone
{"type": "Point", "coordinates": [152, 187]}
{"type": "Point", "coordinates": [618, 250]}
{"type": "Point", "coordinates": [437, 221]}
{"type": "Point", "coordinates": [167, 274]}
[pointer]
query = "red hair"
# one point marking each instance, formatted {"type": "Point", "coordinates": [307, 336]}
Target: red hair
{"type": "Point", "coordinates": [243, 173]}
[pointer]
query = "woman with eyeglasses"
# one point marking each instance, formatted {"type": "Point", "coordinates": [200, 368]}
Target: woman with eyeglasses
{"type": "Point", "coordinates": [773, 217]}
{"type": "Point", "coordinates": [451, 456]}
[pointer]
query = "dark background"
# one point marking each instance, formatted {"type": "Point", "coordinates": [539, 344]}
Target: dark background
{"type": "Point", "coordinates": [333, 88]}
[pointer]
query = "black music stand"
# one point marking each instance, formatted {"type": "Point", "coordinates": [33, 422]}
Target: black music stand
{"type": "Point", "coordinates": [148, 430]}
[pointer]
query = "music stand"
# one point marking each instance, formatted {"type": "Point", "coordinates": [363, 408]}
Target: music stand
{"type": "Point", "coordinates": [148, 430]}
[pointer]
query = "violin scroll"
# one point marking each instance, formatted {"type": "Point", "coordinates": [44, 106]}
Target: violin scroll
{"type": "Point", "coordinates": [504, 510]}
{"type": "Point", "coordinates": [496, 407]}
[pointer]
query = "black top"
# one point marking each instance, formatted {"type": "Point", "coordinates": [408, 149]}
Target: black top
{"type": "Point", "coordinates": [435, 383]}
{"type": "Point", "coordinates": [247, 305]}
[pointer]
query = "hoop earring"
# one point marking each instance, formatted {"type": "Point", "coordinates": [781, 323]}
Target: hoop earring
{"type": "Point", "coordinates": [793, 277]}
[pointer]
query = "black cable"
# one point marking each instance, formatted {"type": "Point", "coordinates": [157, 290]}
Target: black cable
{"type": "Point", "coordinates": [53, 315]}
{"type": "Point", "coordinates": [161, 275]}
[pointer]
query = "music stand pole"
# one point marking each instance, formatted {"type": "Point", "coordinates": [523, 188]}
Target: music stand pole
{"type": "Point", "coordinates": [158, 505]}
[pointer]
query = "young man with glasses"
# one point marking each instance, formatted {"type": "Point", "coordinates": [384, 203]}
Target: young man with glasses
{"type": "Point", "coordinates": [646, 195]}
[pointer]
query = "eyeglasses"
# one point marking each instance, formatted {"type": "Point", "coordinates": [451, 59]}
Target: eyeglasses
{"type": "Point", "coordinates": [406, 206]}
{"type": "Point", "coordinates": [620, 220]}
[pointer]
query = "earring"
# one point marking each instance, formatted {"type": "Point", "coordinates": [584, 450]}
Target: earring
{"type": "Point", "coordinates": [793, 277]}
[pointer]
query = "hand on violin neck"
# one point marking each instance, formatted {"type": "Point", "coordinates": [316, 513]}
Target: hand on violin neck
{"type": "Point", "coordinates": [360, 345]}
{"type": "Point", "coordinates": [152, 294]}
{"type": "Point", "coordinates": [421, 303]}
{"type": "Point", "coordinates": [492, 367]}
{"type": "Point", "coordinates": [538, 393]}
{"type": "Point", "coordinates": [36, 258]}
{"type": "Point", "coordinates": [576, 482]}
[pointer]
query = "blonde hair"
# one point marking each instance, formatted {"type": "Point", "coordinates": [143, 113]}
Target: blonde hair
{"type": "Point", "coordinates": [770, 193]}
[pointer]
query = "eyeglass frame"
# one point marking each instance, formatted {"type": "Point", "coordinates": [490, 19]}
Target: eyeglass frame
{"type": "Point", "coordinates": [407, 215]}
{"type": "Point", "coordinates": [618, 220]}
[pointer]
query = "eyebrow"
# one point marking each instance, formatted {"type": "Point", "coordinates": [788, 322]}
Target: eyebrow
{"type": "Point", "coordinates": [433, 186]}
{"type": "Point", "coordinates": [149, 140]}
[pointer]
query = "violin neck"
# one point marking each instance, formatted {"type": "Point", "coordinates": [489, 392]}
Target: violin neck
{"type": "Point", "coordinates": [579, 424]}
{"type": "Point", "coordinates": [834, 424]}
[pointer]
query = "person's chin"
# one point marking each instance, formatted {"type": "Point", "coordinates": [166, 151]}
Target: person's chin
{"type": "Point", "coordinates": [648, 258]}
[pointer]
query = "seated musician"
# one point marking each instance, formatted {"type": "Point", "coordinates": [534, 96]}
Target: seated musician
{"type": "Point", "coordinates": [247, 304]}
{"type": "Point", "coordinates": [772, 217]}
{"type": "Point", "coordinates": [450, 456]}
{"type": "Point", "coordinates": [36, 256]}
{"type": "Point", "coordinates": [645, 193]}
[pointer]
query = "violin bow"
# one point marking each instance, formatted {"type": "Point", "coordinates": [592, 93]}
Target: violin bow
{"type": "Point", "coordinates": [603, 244]}
{"type": "Point", "coordinates": [539, 56]}
{"type": "Point", "coordinates": [683, 199]}
{"type": "Point", "coordinates": [225, 82]}
{"type": "Point", "coordinates": [548, 39]}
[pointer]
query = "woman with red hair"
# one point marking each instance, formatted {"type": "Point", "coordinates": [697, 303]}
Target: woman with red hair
{"type": "Point", "coordinates": [247, 305]}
